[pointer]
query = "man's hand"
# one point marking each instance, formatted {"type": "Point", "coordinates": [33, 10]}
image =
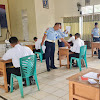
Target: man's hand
{"type": "Point", "coordinates": [98, 75]}
{"type": "Point", "coordinates": [67, 32]}
{"type": "Point", "coordinates": [64, 30]}
{"type": "Point", "coordinates": [43, 39]}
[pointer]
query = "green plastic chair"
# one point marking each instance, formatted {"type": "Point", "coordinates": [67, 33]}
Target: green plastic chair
{"type": "Point", "coordinates": [40, 54]}
{"type": "Point", "coordinates": [83, 51]}
{"type": "Point", "coordinates": [27, 69]}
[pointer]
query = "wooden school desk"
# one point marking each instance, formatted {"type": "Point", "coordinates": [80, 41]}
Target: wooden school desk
{"type": "Point", "coordinates": [83, 90]}
{"type": "Point", "coordinates": [95, 45]}
{"type": "Point", "coordinates": [31, 46]}
{"type": "Point", "coordinates": [63, 53]}
{"type": "Point", "coordinates": [3, 73]}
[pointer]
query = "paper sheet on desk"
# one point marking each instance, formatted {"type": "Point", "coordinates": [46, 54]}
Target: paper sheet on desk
{"type": "Point", "coordinates": [68, 29]}
{"type": "Point", "coordinates": [91, 75]}
{"type": "Point", "coordinates": [66, 47]}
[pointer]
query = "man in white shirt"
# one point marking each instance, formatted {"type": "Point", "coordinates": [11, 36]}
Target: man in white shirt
{"type": "Point", "coordinates": [76, 47]}
{"type": "Point", "coordinates": [38, 46]}
{"type": "Point", "coordinates": [71, 40]}
{"type": "Point", "coordinates": [15, 53]}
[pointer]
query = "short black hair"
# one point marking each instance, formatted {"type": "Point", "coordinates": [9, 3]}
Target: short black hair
{"type": "Point", "coordinates": [77, 34]}
{"type": "Point", "coordinates": [35, 38]}
{"type": "Point", "coordinates": [96, 23]}
{"type": "Point", "coordinates": [13, 40]}
{"type": "Point", "coordinates": [57, 24]}
{"type": "Point", "coordinates": [70, 35]}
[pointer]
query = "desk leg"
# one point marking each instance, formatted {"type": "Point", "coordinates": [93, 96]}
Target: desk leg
{"type": "Point", "coordinates": [92, 49]}
{"type": "Point", "coordinates": [92, 52]}
{"type": "Point", "coordinates": [70, 91]}
{"type": "Point", "coordinates": [68, 60]}
{"type": "Point", "coordinates": [97, 94]}
{"type": "Point", "coordinates": [5, 78]}
{"type": "Point", "coordinates": [59, 58]}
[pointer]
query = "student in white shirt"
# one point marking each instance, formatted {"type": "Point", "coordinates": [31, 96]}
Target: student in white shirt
{"type": "Point", "coordinates": [71, 40]}
{"type": "Point", "coordinates": [38, 46]}
{"type": "Point", "coordinates": [15, 53]}
{"type": "Point", "coordinates": [76, 47]}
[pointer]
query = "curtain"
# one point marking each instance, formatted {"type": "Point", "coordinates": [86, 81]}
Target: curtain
{"type": "Point", "coordinates": [88, 25]}
{"type": "Point", "coordinates": [73, 22]}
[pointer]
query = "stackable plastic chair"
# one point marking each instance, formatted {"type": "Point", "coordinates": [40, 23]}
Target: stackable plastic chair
{"type": "Point", "coordinates": [40, 54]}
{"type": "Point", "coordinates": [83, 51]}
{"type": "Point", "coordinates": [27, 69]}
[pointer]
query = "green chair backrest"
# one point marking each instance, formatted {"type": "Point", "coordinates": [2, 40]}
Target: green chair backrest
{"type": "Point", "coordinates": [27, 66]}
{"type": "Point", "coordinates": [83, 50]}
{"type": "Point", "coordinates": [41, 50]}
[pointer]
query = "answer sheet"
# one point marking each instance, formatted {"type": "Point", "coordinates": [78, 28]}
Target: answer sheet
{"type": "Point", "coordinates": [91, 75]}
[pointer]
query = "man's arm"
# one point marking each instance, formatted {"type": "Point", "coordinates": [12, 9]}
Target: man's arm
{"type": "Point", "coordinates": [44, 37]}
{"type": "Point", "coordinates": [7, 55]}
{"type": "Point", "coordinates": [65, 34]}
{"type": "Point", "coordinates": [92, 35]}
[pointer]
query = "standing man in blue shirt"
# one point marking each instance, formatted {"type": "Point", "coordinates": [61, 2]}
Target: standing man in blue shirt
{"type": "Point", "coordinates": [51, 35]}
{"type": "Point", "coordinates": [95, 34]}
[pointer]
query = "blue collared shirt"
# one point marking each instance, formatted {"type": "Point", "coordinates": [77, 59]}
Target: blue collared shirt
{"type": "Point", "coordinates": [52, 34]}
{"type": "Point", "coordinates": [63, 34]}
{"type": "Point", "coordinates": [95, 32]}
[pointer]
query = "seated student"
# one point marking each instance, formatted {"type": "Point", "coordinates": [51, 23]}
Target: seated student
{"type": "Point", "coordinates": [76, 46]}
{"type": "Point", "coordinates": [38, 46]}
{"type": "Point", "coordinates": [15, 53]}
{"type": "Point", "coordinates": [71, 40]}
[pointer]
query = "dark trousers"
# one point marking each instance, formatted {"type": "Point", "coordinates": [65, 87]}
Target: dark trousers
{"type": "Point", "coordinates": [10, 71]}
{"type": "Point", "coordinates": [73, 55]}
{"type": "Point", "coordinates": [39, 51]}
{"type": "Point", "coordinates": [61, 44]}
{"type": "Point", "coordinates": [49, 54]}
{"type": "Point", "coordinates": [96, 40]}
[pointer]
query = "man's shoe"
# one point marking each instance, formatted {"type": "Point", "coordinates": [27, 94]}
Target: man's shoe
{"type": "Point", "coordinates": [48, 70]}
{"type": "Point", "coordinates": [54, 68]}
{"type": "Point", "coordinates": [8, 88]}
{"type": "Point", "coordinates": [75, 65]}
{"type": "Point", "coordinates": [95, 52]}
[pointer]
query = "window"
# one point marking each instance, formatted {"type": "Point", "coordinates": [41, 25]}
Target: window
{"type": "Point", "coordinates": [87, 10]}
{"type": "Point", "coordinates": [96, 8]}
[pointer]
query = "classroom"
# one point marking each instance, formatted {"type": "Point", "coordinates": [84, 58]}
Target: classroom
{"type": "Point", "coordinates": [49, 49]}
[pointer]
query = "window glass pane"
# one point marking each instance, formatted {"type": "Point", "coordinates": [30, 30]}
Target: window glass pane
{"type": "Point", "coordinates": [87, 10]}
{"type": "Point", "coordinates": [96, 8]}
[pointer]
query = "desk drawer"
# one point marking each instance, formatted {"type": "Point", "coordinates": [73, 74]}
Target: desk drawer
{"type": "Point", "coordinates": [85, 91]}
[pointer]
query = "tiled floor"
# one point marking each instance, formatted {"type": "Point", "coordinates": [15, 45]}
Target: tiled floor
{"type": "Point", "coordinates": [53, 84]}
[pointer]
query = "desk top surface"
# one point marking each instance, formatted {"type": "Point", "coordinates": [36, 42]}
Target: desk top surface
{"type": "Point", "coordinates": [5, 61]}
{"type": "Point", "coordinates": [75, 78]}
{"type": "Point", "coordinates": [64, 48]}
{"type": "Point", "coordinates": [95, 42]}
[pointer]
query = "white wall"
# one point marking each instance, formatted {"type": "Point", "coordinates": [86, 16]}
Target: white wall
{"type": "Point", "coordinates": [68, 8]}
{"type": "Point", "coordinates": [15, 9]}
{"type": "Point", "coordinates": [44, 17]}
